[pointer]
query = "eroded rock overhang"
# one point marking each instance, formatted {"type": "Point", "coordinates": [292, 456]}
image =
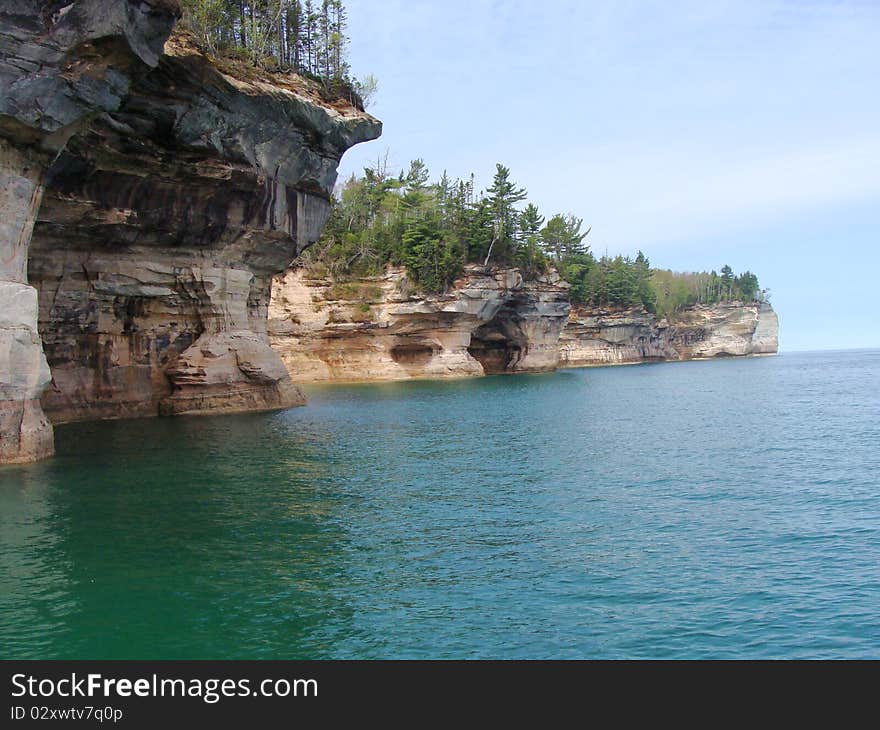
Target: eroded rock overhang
{"type": "Point", "coordinates": [489, 321]}
{"type": "Point", "coordinates": [162, 193]}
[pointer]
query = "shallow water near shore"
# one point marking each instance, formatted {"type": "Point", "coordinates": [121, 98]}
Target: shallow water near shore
{"type": "Point", "coordinates": [724, 509]}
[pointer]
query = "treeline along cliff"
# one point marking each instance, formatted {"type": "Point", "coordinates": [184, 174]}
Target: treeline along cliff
{"type": "Point", "coordinates": [413, 278]}
{"type": "Point", "coordinates": [161, 194]}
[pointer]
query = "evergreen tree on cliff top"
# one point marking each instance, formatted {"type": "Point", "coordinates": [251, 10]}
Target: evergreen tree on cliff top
{"type": "Point", "coordinates": [503, 197]}
{"type": "Point", "coordinates": [562, 237]}
{"type": "Point", "coordinates": [306, 36]}
{"type": "Point", "coordinates": [434, 229]}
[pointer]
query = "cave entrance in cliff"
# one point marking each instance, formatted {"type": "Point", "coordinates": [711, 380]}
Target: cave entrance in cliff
{"type": "Point", "coordinates": [497, 345]}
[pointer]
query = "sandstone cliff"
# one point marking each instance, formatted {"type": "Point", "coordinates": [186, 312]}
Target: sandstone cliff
{"type": "Point", "coordinates": [601, 337]}
{"type": "Point", "coordinates": [377, 329]}
{"type": "Point", "coordinates": [489, 322]}
{"type": "Point", "coordinates": [148, 196]}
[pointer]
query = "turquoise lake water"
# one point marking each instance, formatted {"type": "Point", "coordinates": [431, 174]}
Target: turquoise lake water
{"type": "Point", "coordinates": [725, 509]}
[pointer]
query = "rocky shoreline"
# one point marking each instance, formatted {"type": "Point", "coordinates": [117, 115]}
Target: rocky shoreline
{"type": "Point", "coordinates": [489, 322]}
{"type": "Point", "coordinates": [597, 336]}
{"type": "Point", "coordinates": [376, 329]}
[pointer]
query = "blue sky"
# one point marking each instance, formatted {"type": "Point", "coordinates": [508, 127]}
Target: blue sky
{"type": "Point", "coordinates": [701, 132]}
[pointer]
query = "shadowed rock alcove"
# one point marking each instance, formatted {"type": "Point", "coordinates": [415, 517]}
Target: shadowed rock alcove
{"type": "Point", "coordinates": [498, 345]}
{"type": "Point", "coordinates": [149, 196]}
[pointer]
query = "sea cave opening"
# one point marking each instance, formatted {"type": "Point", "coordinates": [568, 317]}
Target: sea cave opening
{"type": "Point", "coordinates": [498, 345]}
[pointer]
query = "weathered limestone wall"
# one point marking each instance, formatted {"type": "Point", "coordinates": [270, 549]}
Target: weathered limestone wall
{"type": "Point", "coordinates": [160, 231]}
{"type": "Point", "coordinates": [60, 63]}
{"type": "Point", "coordinates": [25, 432]}
{"type": "Point", "coordinates": [603, 337]}
{"type": "Point", "coordinates": [488, 322]}
{"type": "Point", "coordinates": [378, 329]}
{"type": "Point", "coordinates": [173, 190]}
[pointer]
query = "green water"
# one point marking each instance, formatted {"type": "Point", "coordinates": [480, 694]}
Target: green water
{"type": "Point", "coordinates": [707, 509]}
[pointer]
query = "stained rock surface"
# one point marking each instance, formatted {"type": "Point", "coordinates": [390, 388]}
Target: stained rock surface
{"type": "Point", "coordinates": [490, 321]}
{"type": "Point", "coordinates": [606, 337]}
{"type": "Point", "coordinates": [61, 63]}
{"type": "Point", "coordinates": [149, 194]}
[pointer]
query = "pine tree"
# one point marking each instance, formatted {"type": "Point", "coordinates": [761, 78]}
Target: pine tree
{"type": "Point", "coordinates": [530, 221]}
{"type": "Point", "coordinates": [300, 34]}
{"type": "Point", "coordinates": [727, 281]}
{"type": "Point", "coordinates": [562, 237]}
{"type": "Point", "coordinates": [502, 198]}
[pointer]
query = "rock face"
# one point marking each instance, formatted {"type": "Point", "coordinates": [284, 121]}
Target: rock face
{"type": "Point", "coordinates": [166, 192]}
{"type": "Point", "coordinates": [489, 322]}
{"type": "Point", "coordinates": [60, 64]}
{"type": "Point", "coordinates": [377, 329]}
{"type": "Point", "coordinates": [603, 337]}
{"type": "Point", "coordinates": [25, 432]}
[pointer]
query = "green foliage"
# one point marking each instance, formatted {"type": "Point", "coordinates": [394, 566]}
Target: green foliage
{"type": "Point", "coordinates": [579, 271]}
{"type": "Point", "coordinates": [501, 201]}
{"type": "Point", "coordinates": [435, 228]}
{"type": "Point", "coordinates": [432, 229]}
{"type": "Point", "coordinates": [619, 281]}
{"type": "Point", "coordinates": [203, 16]}
{"type": "Point", "coordinates": [354, 291]}
{"type": "Point", "coordinates": [530, 221]}
{"type": "Point", "coordinates": [431, 259]}
{"type": "Point", "coordinates": [531, 259]}
{"type": "Point", "coordinates": [747, 286]}
{"type": "Point", "coordinates": [562, 237]}
{"type": "Point", "coordinates": [307, 36]}
{"type": "Point", "coordinates": [675, 291]}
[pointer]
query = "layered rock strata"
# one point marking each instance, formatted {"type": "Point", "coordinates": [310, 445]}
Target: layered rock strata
{"type": "Point", "coordinates": [173, 189]}
{"type": "Point", "coordinates": [61, 63]}
{"type": "Point", "coordinates": [490, 321]}
{"type": "Point", "coordinates": [605, 337]}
